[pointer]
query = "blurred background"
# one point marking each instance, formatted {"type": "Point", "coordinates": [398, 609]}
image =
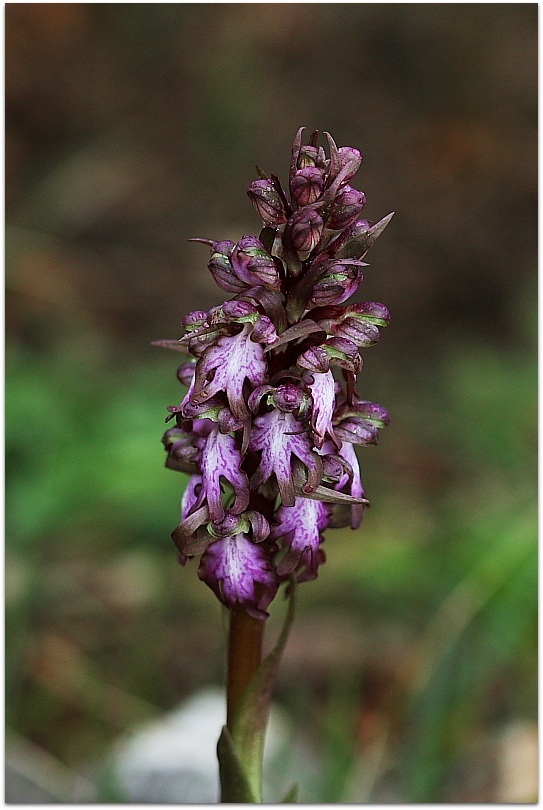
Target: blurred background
{"type": "Point", "coordinates": [410, 674]}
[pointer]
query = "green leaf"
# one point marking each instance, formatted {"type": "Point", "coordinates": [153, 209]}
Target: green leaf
{"type": "Point", "coordinates": [235, 787]}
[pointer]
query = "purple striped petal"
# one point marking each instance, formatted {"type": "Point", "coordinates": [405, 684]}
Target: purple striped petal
{"type": "Point", "coordinates": [323, 393]}
{"type": "Point", "coordinates": [301, 526]}
{"type": "Point", "coordinates": [278, 436]}
{"type": "Point", "coordinates": [356, 488]}
{"type": "Point", "coordinates": [230, 362]}
{"type": "Point", "coordinates": [237, 570]}
{"type": "Point", "coordinates": [190, 496]}
{"type": "Point", "coordinates": [221, 458]}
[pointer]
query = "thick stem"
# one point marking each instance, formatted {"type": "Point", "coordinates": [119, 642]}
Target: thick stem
{"type": "Point", "coordinates": [244, 657]}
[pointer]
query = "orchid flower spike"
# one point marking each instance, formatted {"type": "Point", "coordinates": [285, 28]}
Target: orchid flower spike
{"type": "Point", "coordinates": [268, 426]}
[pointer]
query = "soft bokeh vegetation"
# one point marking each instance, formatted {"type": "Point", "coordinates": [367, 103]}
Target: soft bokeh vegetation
{"type": "Point", "coordinates": [129, 129]}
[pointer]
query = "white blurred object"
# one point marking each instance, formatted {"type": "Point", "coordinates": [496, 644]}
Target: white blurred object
{"type": "Point", "coordinates": [174, 760]}
{"type": "Point", "coordinates": [518, 764]}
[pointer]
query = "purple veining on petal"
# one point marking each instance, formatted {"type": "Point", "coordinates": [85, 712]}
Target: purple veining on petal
{"type": "Point", "coordinates": [230, 362]}
{"type": "Point", "coordinates": [356, 488]}
{"type": "Point", "coordinates": [323, 390]}
{"type": "Point", "coordinates": [301, 526]}
{"type": "Point", "coordinates": [279, 435]}
{"type": "Point", "coordinates": [237, 570]}
{"type": "Point", "coordinates": [190, 496]}
{"type": "Point", "coordinates": [221, 457]}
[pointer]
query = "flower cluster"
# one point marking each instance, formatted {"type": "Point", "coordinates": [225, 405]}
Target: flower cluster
{"type": "Point", "coordinates": [269, 423]}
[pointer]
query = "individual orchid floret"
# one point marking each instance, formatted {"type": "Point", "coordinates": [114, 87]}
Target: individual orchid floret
{"type": "Point", "coordinates": [304, 231]}
{"type": "Point", "coordinates": [220, 267]}
{"type": "Point", "coordinates": [300, 528]}
{"type": "Point", "coordinates": [253, 264]}
{"type": "Point", "coordinates": [288, 398]}
{"type": "Point", "coordinates": [360, 422]}
{"type": "Point", "coordinates": [226, 365]}
{"type": "Point", "coordinates": [183, 454]}
{"type": "Point", "coordinates": [338, 282]}
{"type": "Point", "coordinates": [221, 459]}
{"type": "Point", "coordinates": [237, 267]}
{"type": "Point", "coordinates": [239, 570]}
{"type": "Point", "coordinates": [278, 436]}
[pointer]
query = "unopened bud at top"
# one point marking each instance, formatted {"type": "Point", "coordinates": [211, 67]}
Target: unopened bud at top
{"type": "Point", "coordinates": [267, 202]}
{"type": "Point", "coordinates": [351, 157]}
{"type": "Point", "coordinates": [311, 156]}
{"type": "Point", "coordinates": [305, 230]}
{"type": "Point", "coordinates": [345, 161]}
{"type": "Point", "coordinates": [307, 184]}
{"type": "Point", "coordinates": [346, 208]}
{"type": "Point", "coordinates": [253, 264]}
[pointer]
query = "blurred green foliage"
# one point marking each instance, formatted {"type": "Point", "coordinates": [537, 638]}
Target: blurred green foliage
{"type": "Point", "coordinates": [412, 663]}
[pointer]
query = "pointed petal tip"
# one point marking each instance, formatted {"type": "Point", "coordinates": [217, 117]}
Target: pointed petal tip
{"type": "Point", "coordinates": [208, 242]}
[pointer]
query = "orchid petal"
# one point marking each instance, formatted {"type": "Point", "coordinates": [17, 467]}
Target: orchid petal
{"type": "Point", "coordinates": [279, 435]}
{"type": "Point", "coordinates": [323, 390]}
{"type": "Point", "coordinates": [234, 567]}
{"type": "Point", "coordinates": [301, 526]}
{"type": "Point", "coordinates": [230, 362]}
{"type": "Point", "coordinates": [221, 458]}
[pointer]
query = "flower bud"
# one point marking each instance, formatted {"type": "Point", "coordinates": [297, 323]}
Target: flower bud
{"type": "Point", "coordinates": [343, 353]}
{"type": "Point", "coordinates": [346, 207]}
{"type": "Point", "coordinates": [371, 411]}
{"type": "Point", "coordinates": [290, 399]}
{"type": "Point", "coordinates": [314, 359]}
{"type": "Point", "coordinates": [221, 268]}
{"type": "Point", "coordinates": [195, 320]}
{"type": "Point", "coordinates": [351, 157]}
{"type": "Point", "coordinates": [267, 202]}
{"type": "Point", "coordinates": [185, 372]}
{"type": "Point", "coordinates": [253, 264]}
{"type": "Point", "coordinates": [357, 330]}
{"type": "Point", "coordinates": [233, 311]}
{"type": "Point", "coordinates": [306, 229]}
{"type": "Point", "coordinates": [306, 185]}
{"type": "Point", "coordinates": [370, 311]}
{"type": "Point", "coordinates": [229, 525]}
{"type": "Point", "coordinates": [335, 468]}
{"type": "Point", "coordinates": [357, 431]}
{"type": "Point", "coordinates": [182, 453]}
{"type": "Point", "coordinates": [358, 322]}
{"type": "Point", "coordinates": [344, 161]}
{"type": "Point", "coordinates": [264, 331]}
{"type": "Point", "coordinates": [337, 284]}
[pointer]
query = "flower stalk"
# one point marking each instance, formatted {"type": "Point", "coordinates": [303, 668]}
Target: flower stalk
{"type": "Point", "coordinates": [268, 426]}
{"type": "Point", "coordinates": [244, 658]}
